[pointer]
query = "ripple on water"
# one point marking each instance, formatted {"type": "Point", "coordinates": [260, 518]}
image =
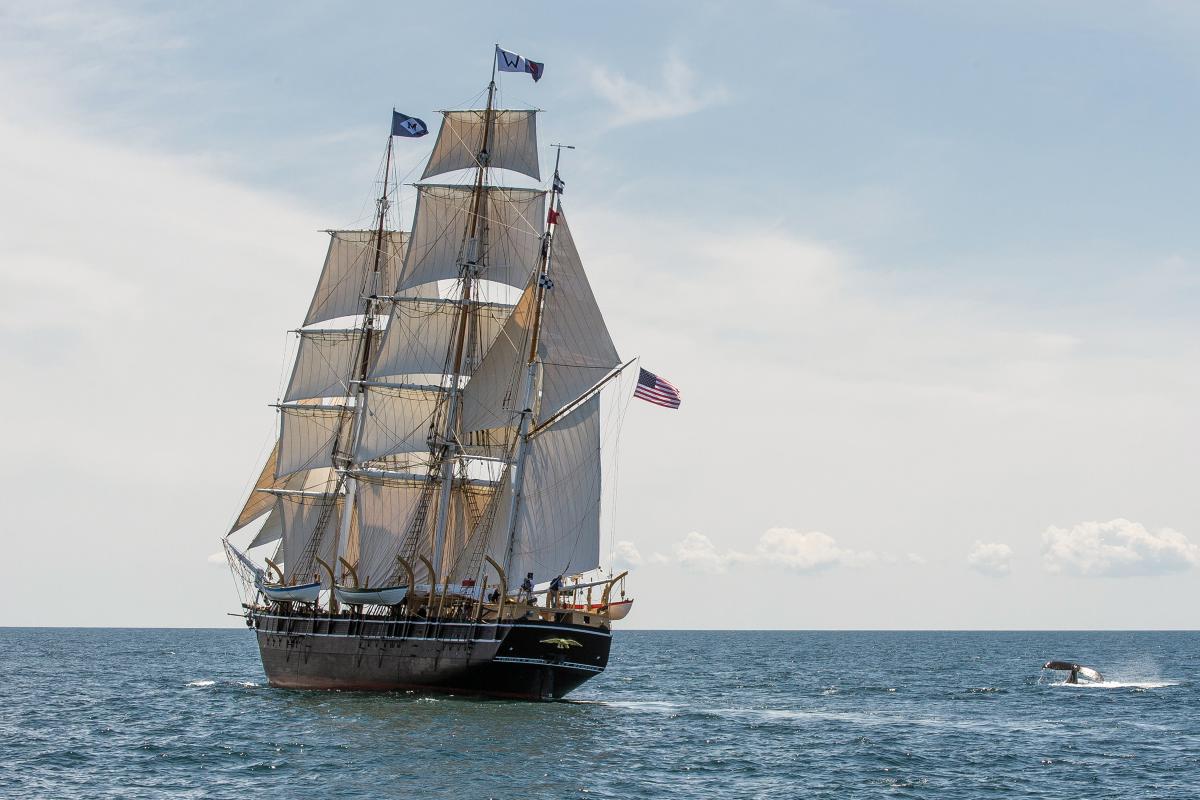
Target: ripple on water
{"type": "Point", "coordinates": [115, 713]}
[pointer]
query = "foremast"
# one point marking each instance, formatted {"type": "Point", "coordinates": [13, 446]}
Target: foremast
{"type": "Point", "coordinates": [358, 383]}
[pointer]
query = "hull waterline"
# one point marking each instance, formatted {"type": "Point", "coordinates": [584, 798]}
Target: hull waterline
{"type": "Point", "coordinates": [523, 659]}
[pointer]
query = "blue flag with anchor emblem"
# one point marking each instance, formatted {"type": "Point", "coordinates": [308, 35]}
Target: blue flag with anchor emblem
{"type": "Point", "coordinates": [404, 125]}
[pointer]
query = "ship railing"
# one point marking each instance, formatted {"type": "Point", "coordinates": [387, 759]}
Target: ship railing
{"type": "Point", "coordinates": [582, 603]}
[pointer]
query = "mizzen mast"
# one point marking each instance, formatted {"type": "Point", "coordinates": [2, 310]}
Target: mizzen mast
{"type": "Point", "coordinates": [531, 365]}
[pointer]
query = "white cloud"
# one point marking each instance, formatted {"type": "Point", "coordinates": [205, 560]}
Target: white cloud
{"type": "Point", "coordinates": [697, 551]}
{"type": "Point", "coordinates": [990, 558]}
{"type": "Point", "coordinates": [218, 558]}
{"type": "Point", "coordinates": [805, 551]}
{"type": "Point", "coordinates": [801, 551]}
{"type": "Point", "coordinates": [916, 558]}
{"type": "Point", "coordinates": [1116, 548]}
{"type": "Point", "coordinates": [633, 102]}
{"type": "Point", "coordinates": [626, 555]}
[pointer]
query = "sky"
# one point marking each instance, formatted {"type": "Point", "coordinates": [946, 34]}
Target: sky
{"type": "Point", "coordinates": [927, 275]}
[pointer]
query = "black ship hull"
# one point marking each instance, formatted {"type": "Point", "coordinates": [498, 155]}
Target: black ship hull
{"type": "Point", "coordinates": [524, 659]}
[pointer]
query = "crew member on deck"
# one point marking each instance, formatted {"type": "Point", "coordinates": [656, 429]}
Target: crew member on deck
{"type": "Point", "coordinates": [527, 587]}
{"type": "Point", "coordinates": [555, 588]}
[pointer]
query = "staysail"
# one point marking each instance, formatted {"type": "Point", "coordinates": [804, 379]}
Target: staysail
{"type": "Point", "coordinates": [574, 347]}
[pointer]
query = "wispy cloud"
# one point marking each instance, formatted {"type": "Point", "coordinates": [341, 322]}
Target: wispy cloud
{"type": "Point", "coordinates": [626, 555]}
{"type": "Point", "coordinates": [677, 94]}
{"type": "Point", "coordinates": [1117, 548]}
{"type": "Point", "coordinates": [800, 551]}
{"type": "Point", "coordinates": [990, 558]}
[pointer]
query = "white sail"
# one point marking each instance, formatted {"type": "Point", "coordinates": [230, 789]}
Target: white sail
{"type": "Point", "coordinates": [325, 360]}
{"type": "Point", "coordinates": [308, 434]}
{"type": "Point", "coordinates": [385, 512]}
{"type": "Point", "coordinates": [493, 397]}
{"type": "Point", "coordinates": [513, 221]}
{"type": "Point", "coordinates": [261, 501]}
{"type": "Point", "coordinates": [573, 346]}
{"type": "Point", "coordinates": [301, 515]}
{"type": "Point", "coordinates": [467, 505]}
{"type": "Point", "coordinates": [558, 522]}
{"type": "Point", "coordinates": [512, 145]}
{"type": "Point", "coordinates": [272, 528]}
{"type": "Point", "coordinates": [347, 274]}
{"type": "Point", "coordinates": [396, 421]}
{"type": "Point", "coordinates": [421, 333]}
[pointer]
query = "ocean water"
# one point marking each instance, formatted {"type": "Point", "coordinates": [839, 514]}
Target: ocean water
{"type": "Point", "coordinates": [91, 713]}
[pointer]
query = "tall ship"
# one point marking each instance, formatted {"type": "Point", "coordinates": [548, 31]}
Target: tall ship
{"type": "Point", "coordinates": [430, 515]}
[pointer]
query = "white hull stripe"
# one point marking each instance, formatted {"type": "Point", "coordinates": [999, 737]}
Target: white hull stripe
{"type": "Point", "coordinates": [543, 662]}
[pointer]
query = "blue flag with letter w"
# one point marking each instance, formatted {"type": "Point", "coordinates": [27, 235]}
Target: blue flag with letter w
{"type": "Point", "coordinates": [404, 125]}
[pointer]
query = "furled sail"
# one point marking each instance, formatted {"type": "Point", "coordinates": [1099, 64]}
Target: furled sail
{"type": "Point", "coordinates": [421, 333]}
{"type": "Point", "coordinates": [573, 346]}
{"type": "Point", "coordinates": [308, 435]}
{"type": "Point", "coordinates": [325, 360]}
{"type": "Point", "coordinates": [349, 267]}
{"type": "Point", "coordinates": [512, 145]}
{"type": "Point", "coordinates": [513, 219]}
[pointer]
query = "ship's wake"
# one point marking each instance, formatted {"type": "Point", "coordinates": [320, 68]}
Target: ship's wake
{"type": "Point", "coordinates": [208, 684]}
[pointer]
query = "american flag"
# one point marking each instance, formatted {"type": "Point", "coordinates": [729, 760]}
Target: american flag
{"type": "Point", "coordinates": [654, 389]}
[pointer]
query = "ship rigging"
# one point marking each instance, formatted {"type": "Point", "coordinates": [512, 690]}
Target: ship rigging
{"type": "Point", "coordinates": [445, 448]}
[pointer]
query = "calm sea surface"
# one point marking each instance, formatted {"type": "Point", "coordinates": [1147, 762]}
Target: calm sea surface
{"type": "Point", "coordinates": [186, 713]}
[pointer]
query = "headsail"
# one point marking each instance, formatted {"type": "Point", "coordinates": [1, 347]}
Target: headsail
{"type": "Point", "coordinates": [574, 348]}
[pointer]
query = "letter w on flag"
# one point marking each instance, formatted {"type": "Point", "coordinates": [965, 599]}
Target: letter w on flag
{"type": "Point", "coordinates": [511, 62]}
{"type": "Point", "coordinates": [654, 389]}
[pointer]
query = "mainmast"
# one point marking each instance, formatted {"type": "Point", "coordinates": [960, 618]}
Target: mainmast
{"type": "Point", "coordinates": [359, 375]}
{"type": "Point", "coordinates": [474, 247]}
{"type": "Point", "coordinates": [531, 365]}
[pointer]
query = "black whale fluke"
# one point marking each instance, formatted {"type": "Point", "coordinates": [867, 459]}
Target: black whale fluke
{"type": "Point", "coordinates": [1077, 671]}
